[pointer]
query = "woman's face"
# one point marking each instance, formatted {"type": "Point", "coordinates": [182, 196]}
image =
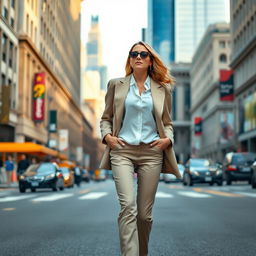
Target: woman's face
{"type": "Point", "coordinates": [140, 62]}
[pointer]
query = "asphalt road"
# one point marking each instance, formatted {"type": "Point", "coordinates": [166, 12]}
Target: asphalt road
{"type": "Point", "coordinates": [188, 221]}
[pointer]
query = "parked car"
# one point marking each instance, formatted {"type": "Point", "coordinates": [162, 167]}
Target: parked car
{"type": "Point", "coordinates": [237, 167]}
{"type": "Point", "coordinates": [68, 175]}
{"type": "Point", "coordinates": [253, 176]}
{"type": "Point", "coordinates": [172, 178]}
{"type": "Point", "coordinates": [199, 170]}
{"type": "Point", "coordinates": [44, 175]}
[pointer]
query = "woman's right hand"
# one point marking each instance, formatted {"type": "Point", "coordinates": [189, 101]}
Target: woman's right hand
{"type": "Point", "coordinates": [113, 141]}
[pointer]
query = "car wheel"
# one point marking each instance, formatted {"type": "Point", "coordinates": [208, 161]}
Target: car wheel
{"type": "Point", "coordinates": [61, 188]}
{"type": "Point", "coordinates": [22, 190]}
{"type": "Point", "coordinates": [220, 183]}
{"type": "Point", "coordinates": [253, 181]}
{"type": "Point", "coordinates": [188, 180]}
{"type": "Point", "coordinates": [228, 179]}
{"type": "Point", "coordinates": [211, 183]}
{"type": "Point", "coordinates": [33, 190]}
{"type": "Point", "coordinates": [54, 188]}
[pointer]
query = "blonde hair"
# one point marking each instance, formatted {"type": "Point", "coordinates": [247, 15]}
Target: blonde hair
{"type": "Point", "coordinates": [158, 71]}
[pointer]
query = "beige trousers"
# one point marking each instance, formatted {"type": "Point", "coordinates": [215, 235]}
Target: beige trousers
{"type": "Point", "coordinates": [135, 219]}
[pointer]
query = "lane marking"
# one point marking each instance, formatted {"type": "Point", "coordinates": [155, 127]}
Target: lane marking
{"type": "Point", "coordinates": [163, 195]}
{"type": "Point", "coordinates": [176, 186]}
{"type": "Point", "coordinates": [84, 191]}
{"type": "Point", "coordinates": [93, 195]}
{"type": "Point", "coordinates": [247, 194]}
{"type": "Point", "coordinates": [15, 198]}
{"type": "Point", "coordinates": [51, 198]}
{"type": "Point", "coordinates": [9, 209]}
{"type": "Point", "coordinates": [193, 194]}
{"type": "Point", "coordinates": [218, 193]}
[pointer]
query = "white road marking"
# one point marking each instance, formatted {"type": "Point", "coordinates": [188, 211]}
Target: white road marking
{"type": "Point", "coordinates": [193, 194]}
{"type": "Point", "coordinates": [247, 194]}
{"type": "Point", "coordinates": [51, 197]}
{"type": "Point", "coordinates": [163, 195]}
{"type": "Point", "coordinates": [93, 195]}
{"type": "Point", "coordinates": [15, 198]}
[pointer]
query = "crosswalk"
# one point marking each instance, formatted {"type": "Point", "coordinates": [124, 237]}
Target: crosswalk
{"type": "Point", "coordinates": [195, 193]}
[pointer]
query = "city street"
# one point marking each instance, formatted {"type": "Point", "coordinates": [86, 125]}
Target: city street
{"type": "Point", "coordinates": [198, 220]}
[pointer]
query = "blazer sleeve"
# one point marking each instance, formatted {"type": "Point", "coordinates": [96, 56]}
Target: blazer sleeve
{"type": "Point", "coordinates": [106, 122]}
{"type": "Point", "coordinates": [167, 119]}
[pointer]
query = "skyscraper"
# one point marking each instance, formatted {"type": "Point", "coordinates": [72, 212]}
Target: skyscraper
{"type": "Point", "coordinates": [161, 28]}
{"type": "Point", "coordinates": [192, 18]}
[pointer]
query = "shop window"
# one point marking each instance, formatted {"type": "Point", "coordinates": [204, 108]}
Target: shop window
{"type": "Point", "coordinates": [223, 58]}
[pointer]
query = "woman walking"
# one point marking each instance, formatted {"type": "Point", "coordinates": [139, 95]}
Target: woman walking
{"type": "Point", "coordinates": [136, 126]}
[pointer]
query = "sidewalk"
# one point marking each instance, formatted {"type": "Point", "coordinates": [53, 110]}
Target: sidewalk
{"type": "Point", "coordinates": [9, 186]}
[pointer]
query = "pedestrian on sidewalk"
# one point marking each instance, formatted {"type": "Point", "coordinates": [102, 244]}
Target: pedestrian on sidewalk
{"type": "Point", "coordinates": [9, 167]}
{"type": "Point", "coordinates": [3, 177]}
{"type": "Point", "coordinates": [137, 128]}
{"type": "Point", "coordinates": [23, 164]}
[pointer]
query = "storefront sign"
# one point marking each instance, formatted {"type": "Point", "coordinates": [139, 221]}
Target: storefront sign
{"type": "Point", "coordinates": [39, 97]}
{"type": "Point", "coordinates": [226, 85]}
{"type": "Point", "coordinates": [198, 126]}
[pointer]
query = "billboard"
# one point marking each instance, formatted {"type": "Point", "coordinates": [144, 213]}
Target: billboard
{"type": "Point", "coordinates": [63, 140]}
{"type": "Point", "coordinates": [39, 97]}
{"type": "Point", "coordinates": [226, 85]}
{"type": "Point", "coordinates": [226, 126]}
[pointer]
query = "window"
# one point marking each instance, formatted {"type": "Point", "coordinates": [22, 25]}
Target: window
{"type": "Point", "coordinates": [4, 47]}
{"type": "Point", "coordinates": [223, 58]}
{"type": "Point", "coordinates": [27, 23]}
{"type": "Point", "coordinates": [222, 44]}
{"type": "Point", "coordinates": [12, 22]}
{"type": "Point", "coordinates": [10, 54]}
{"type": "Point", "coordinates": [13, 4]}
{"type": "Point", "coordinates": [5, 13]}
{"type": "Point", "coordinates": [3, 79]}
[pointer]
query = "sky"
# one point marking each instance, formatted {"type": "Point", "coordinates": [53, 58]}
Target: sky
{"type": "Point", "coordinates": [120, 22]}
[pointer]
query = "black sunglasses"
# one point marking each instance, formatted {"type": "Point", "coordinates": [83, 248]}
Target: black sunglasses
{"type": "Point", "coordinates": [142, 54]}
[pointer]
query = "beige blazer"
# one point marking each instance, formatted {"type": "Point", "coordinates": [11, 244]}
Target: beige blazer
{"type": "Point", "coordinates": [111, 119]}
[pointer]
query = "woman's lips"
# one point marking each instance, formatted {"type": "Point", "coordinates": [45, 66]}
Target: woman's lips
{"type": "Point", "coordinates": [138, 62]}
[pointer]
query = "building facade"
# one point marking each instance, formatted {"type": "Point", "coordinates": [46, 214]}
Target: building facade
{"type": "Point", "coordinates": [48, 82]}
{"type": "Point", "coordinates": [191, 21]}
{"type": "Point", "coordinates": [243, 61]}
{"type": "Point", "coordinates": [212, 127]}
{"type": "Point", "coordinates": [9, 69]}
{"type": "Point", "coordinates": [181, 110]}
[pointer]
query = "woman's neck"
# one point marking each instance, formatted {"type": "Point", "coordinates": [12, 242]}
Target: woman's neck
{"type": "Point", "coordinates": [140, 77]}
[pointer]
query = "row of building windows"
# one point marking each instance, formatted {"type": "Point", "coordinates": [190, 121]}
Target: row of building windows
{"type": "Point", "coordinates": [5, 13]}
{"type": "Point", "coordinates": [8, 52]}
{"type": "Point", "coordinates": [31, 29]}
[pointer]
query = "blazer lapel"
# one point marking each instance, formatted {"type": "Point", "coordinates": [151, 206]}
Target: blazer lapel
{"type": "Point", "coordinates": [121, 91]}
{"type": "Point", "coordinates": [158, 95]}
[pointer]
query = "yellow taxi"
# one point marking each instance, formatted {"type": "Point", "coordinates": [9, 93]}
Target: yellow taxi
{"type": "Point", "coordinates": [66, 168]}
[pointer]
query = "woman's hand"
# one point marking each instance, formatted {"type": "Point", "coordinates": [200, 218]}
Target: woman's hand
{"type": "Point", "coordinates": [162, 144]}
{"type": "Point", "coordinates": [113, 141]}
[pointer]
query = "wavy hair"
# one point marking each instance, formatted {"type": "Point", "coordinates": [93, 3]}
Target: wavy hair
{"type": "Point", "coordinates": [158, 71]}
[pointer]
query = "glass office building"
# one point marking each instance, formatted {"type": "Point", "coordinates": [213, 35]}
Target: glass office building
{"type": "Point", "coordinates": [192, 18]}
{"type": "Point", "coordinates": [161, 28]}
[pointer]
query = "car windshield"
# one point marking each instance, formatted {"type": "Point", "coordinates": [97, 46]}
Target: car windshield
{"type": "Point", "coordinates": [243, 158]}
{"type": "Point", "coordinates": [199, 162]}
{"type": "Point", "coordinates": [42, 169]}
{"type": "Point", "coordinates": [64, 170]}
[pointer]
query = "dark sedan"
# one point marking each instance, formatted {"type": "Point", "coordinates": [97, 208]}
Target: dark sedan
{"type": "Point", "coordinates": [237, 166]}
{"type": "Point", "coordinates": [44, 175]}
{"type": "Point", "coordinates": [198, 170]}
{"type": "Point", "coordinates": [253, 177]}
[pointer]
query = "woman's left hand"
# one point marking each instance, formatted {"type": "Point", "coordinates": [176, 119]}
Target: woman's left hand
{"type": "Point", "coordinates": [162, 144]}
